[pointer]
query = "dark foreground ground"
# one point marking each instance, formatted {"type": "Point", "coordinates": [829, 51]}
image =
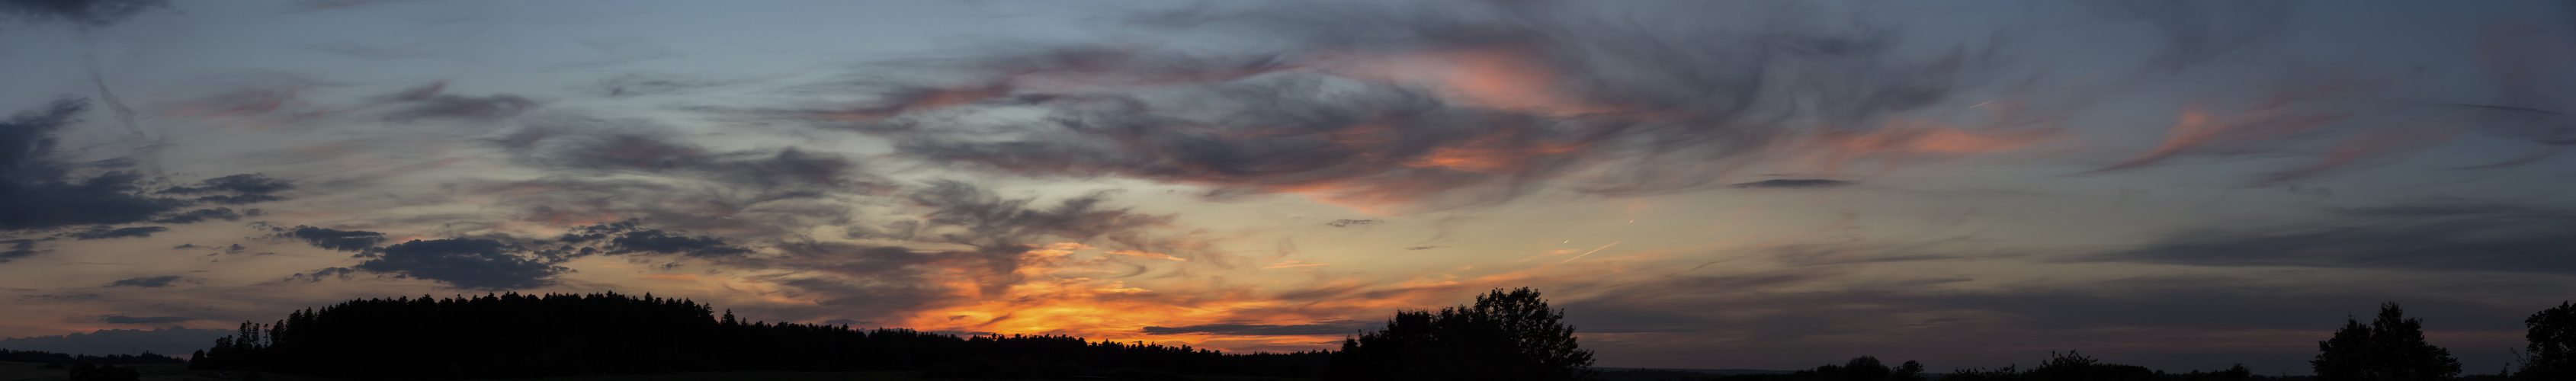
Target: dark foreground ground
{"type": "Point", "coordinates": [23, 371]}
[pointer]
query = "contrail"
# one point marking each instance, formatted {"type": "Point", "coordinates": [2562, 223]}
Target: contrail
{"type": "Point", "coordinates": [1596, 250]}
{"type": "Point", "coordinates": [124, 115]}
{"type": "Point", "coordinates": [149, 151]}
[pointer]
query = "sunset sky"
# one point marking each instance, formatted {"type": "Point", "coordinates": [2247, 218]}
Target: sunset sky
{"type": "Point", "coordinates": [1699, 184]}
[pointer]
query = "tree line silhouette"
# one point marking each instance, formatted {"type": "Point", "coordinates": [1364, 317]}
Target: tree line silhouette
{"type": "Point", "coordinates": [1504, 335]}
{"type": "Point", "coordinates": [512, 335]}
{"type": "Point", "coordinates": [89, 367]}
{"type": "Point", "coordinates": [63, 358]}
{"type": "Point", "coordinates": [2391, 347]}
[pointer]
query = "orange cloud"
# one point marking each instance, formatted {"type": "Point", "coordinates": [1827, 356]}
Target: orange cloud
{"type": "Point", "coordinates": [1903, 141]}
{"type": "Point", "coordinates": [1135, 253]}
{"type": "Point", "coordinates": [1505, 77]}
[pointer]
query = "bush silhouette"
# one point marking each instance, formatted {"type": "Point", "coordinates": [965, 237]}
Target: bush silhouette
{"type": "Point", "coordinates": [1504, 336]}
{"type": "Point", "coordinates": [2074, 366]}
{"type": "Point", "coordinates": [2392, 347]}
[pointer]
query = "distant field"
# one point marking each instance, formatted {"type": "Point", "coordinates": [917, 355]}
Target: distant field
{"type": "Point", "coordinates": [25, 371]}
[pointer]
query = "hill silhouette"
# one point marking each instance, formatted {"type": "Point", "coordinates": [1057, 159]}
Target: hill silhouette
{"type": "Point", "coordinates": [512, 336]}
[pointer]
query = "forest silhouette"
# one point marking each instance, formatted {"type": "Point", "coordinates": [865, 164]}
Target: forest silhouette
{"type": "Point", "coordinates": [2390, 347]}
{"type": "Point", "coordinates": [514, 336]}
{"type": "Point", "coordinates": [65, 358]}
{"type": "Point", "coordinates": [1504, 335]}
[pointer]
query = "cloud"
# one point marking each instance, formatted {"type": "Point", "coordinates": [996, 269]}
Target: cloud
{"type": "Point", "coordinates": [2433, 235]}
{"type": "Point", "coordinates": [172, 340]}
{"type": "Point", "coordinates": [1343, 223]}
{"type": "Point", "coordinates": [972, 252]}
{"type": "Point", "coordinates": [2311, 115]}
{"type": "Point", "coordinates": [1338, 327]}
{"type": "Point", "coordinates": [39, 192]}
{"type": "Point", "coordinates": [57, 297]}
{"type": "Point", "coordinates": [153, 281]}
{"type": "Point", "coordinates": [740, 208]}
{"type": "Point", "coordinates": [91, 13]}
{"type": "Point", "coordinates": [991, 222]}
{"type": "Point", "coordinates": [199, 215]}
{"type": "Point", "coordinates": [246, 102]}
{"type": "Point", "coordinates": [633, 85]}
{"type": "Point", "coordinates": [1416, 106]}
{"type": "Point", "coordinates": [343, 273]}
{"type": "Point", "coordinates": [252, 183]}
{"type": "Point", "coordinates": [122, 319]}
{"type": "Point", "coordinates": [626, 237]}
{"type": "Point", "coordinates": [103, 232]}
{"type": "Point", "coordinates": [2196, 32]}
{"type": "Point", "coordinates": [426, 102]}
{"type": "Point", "coordinates": [245, 188]}
{"type": "Point", "coordinates": [342, 240]}
{"type": "Point", "coordinates": [18, 248]}
{"type": "Point", "coordinates": [1793, 183]}
{"type": "Point", "coordinates": [464, 263]}
{"type": "Point", "coordinates": [325, 5]}
{"type": "Point", "coordinates": [601, 147]}
{"type": "Point", "coordinates": [604, 171]}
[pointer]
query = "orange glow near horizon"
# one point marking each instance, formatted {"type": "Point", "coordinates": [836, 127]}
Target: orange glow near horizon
{"type": "Point", "coordinates": [1045, 296]}
{"type": "Point", "coordinates": [1051, 293]}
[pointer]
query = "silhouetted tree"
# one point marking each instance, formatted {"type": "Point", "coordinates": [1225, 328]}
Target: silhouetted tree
{"type": "Point", "coordinates": [1505, 335]}
{"type": "Point", "coordinates": [2551, 354]}
{"type": "Point", "coordinates": [2392, 347]}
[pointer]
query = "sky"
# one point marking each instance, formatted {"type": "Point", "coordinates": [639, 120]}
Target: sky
{"type": "Point", "coordinates": [1757, 184]}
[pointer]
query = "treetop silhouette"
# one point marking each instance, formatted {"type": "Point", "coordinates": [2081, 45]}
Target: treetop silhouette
{"type": "Point", "coordinates": [2391, 347]}
{"type": "Point", "coordinates": [1505, 335]}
